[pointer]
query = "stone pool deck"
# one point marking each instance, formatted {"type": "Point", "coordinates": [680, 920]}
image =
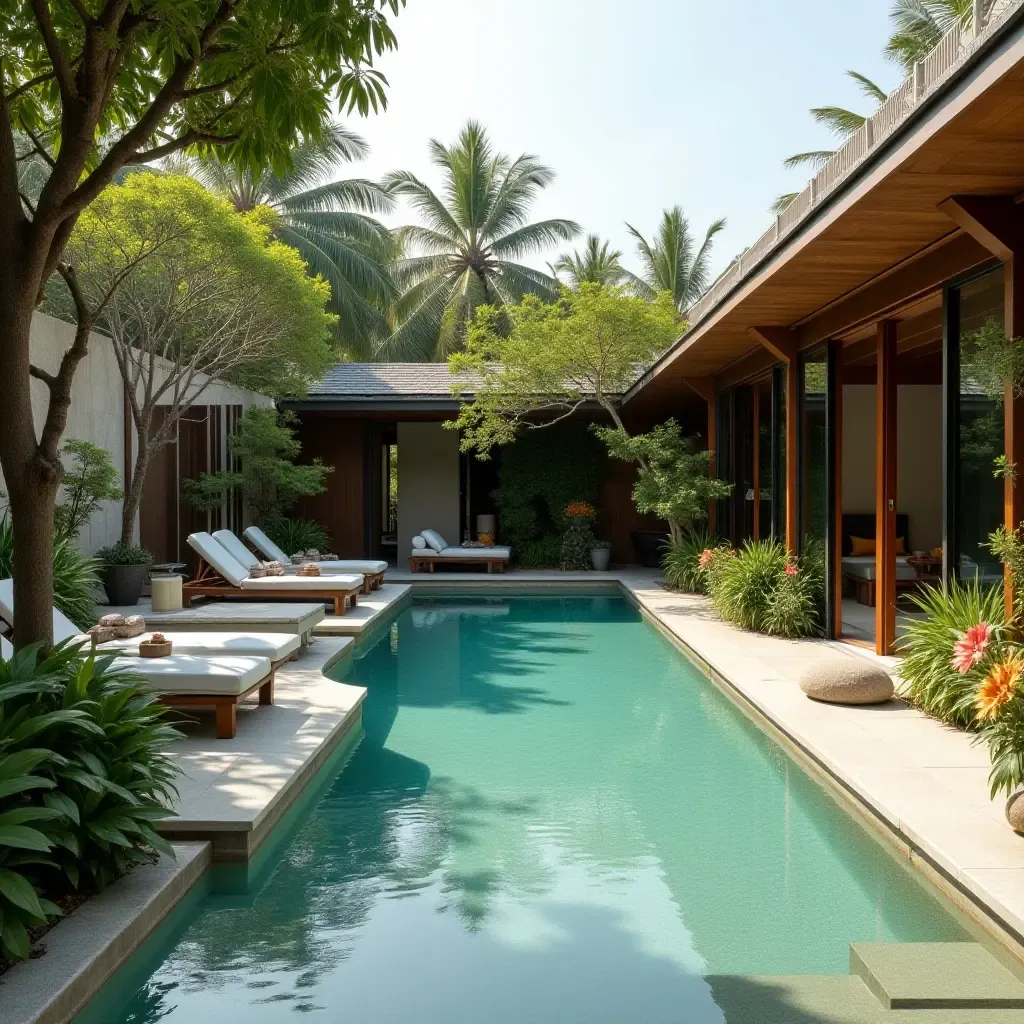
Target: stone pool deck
{"type": "Point", "coordinates": [233, 792]}
{"type": "Point", "coordinates": [923, 783]}
{"type": "Point", "coordinates": [371, 609]}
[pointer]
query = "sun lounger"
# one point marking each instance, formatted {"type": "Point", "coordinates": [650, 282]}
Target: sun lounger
{"type": "Point", "coordinates": [277, 648]}
{"type": "Point", "coordinates": [436, 551]}
{"type": "Point", "coordinates": [221, 575]}
{"type": "Point", "coordinates": [240, 617]}
{"type": "Point", "coordinates": [372, 569]}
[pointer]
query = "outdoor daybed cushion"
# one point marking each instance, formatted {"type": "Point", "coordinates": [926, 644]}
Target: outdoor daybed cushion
{"type": "Point", "coordinates": [188, 673]}
{"type": "Point", "coordinates": [255, 536]}
{"type": "Point", "coordinates": [232, 570]}
{"type": "Point", "coordinates": [863, 567]}
{"type": "Point", "coordinates": [63, 627]}
{"type": "Point", "coordinates": [273, 646]}
{"type": "Point", "coordinates": [492, 554]}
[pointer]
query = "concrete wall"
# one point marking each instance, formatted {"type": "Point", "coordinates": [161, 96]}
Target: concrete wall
{"type": "Point", "coordinates": [97, 410]}
{"type": "Point", "coordinates": [919, 456]}
{"type": "Point", "coordinates": [428, 483]}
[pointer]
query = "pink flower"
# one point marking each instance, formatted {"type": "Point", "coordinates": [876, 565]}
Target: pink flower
{"type": "Point", "coordinates": [791, 569]}
{"type": "Point", "coordinates": [705, 558]}
{"type": "Point", "coordinates": [969, 650]}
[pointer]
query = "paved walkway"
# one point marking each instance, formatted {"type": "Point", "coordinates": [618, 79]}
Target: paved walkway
{"type": "Point", "coordinates": [927, 782]}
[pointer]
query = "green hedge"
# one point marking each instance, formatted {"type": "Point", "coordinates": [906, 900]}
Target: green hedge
{"type": "Point", "coordinates": [539, 475]}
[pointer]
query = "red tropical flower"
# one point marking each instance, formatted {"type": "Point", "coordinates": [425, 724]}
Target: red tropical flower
{"type": "Point", "coordinates": [791, 569]}
{"type": "Point", "coordinates": [705, 558]}
{"type": "Point", "coordinates": [998, 687]}
{"type": "Point", "coordinates": [969, 650]}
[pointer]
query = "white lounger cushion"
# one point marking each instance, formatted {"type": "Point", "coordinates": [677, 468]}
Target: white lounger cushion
{"type": "Point", "coordinates": [236, 549]}
{"type": "Point", "coordinates": [434, 540]}
{"type": "Point", "coordinates": [232, 570]}
{"type": "Point", "coordinates": [187, 673]}
{"type": "Point", "coordinates": [493, 554]}
{"type": "Point", "coordinates": [367, 566]}
{"type": "Point", "coordinates": [6, 650]}
{"type": "Point", "coordinates": [863, 567]}
{"type": "Point", "coordinates": [63, 627]}
{"type": "Point", "coordinates": [275, 646]}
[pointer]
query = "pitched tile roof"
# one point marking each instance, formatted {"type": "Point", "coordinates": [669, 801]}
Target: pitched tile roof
{"type": "Point", "coordinates": [386, 381]}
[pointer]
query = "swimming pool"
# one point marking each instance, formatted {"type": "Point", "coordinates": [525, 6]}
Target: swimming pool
{"type": "Point", "coordinates": [552, 816]}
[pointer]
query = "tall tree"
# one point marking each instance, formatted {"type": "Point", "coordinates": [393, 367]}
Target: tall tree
{"type": "Point", "coordinates": [328, 222]}
{"type": "Point", "coordinates": [672, 261]}
{"type": "Point", "coordinates": [598, 263]}
{"type": "Point", "coordinates": [465, 251]}
{"type": "Point", "coordinates": [147, 79]}
{"type": "Point", "coordinates": [919, 25]}
{"type": "Point", "coordinates": [188, 291]}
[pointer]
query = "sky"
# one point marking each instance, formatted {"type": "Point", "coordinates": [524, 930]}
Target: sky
{"type": "Point", "coordinates": [637, 105]}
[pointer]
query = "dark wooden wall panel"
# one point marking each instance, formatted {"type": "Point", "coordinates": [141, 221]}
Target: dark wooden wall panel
{"type": "Point", "coordinates": [340, 443]}
{"type": "Point", "coordinates": [618, 516]}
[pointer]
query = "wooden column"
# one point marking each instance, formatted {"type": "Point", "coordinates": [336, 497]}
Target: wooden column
{"type": "Point", "coordinates": [885, 489]}
{"type": "Point", "coordinates": [782, 343]}
{"type": "Point", "coordinates": [756, 453]}
{"type": "Point", "coordinates": [997, 222]}
{"type": "Point", "coordinates": [836, 480]}
{"type": "Point", "coordinates": [705, 387]}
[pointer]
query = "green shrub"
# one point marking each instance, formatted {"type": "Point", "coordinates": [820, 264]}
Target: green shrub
{"type": "Point", "coordinates": [91, 480]}
{"type": "Point", "coordinates": [123, 554]}
{"type": "Point", "coordinates": [75, 576]}
{"type": "Point", "coordinates": [1004, 736]}
{"type": "Point", "coordinates": [762, 588]}
{"type": "Point", "coordinates": [292, 535]}
{"type": "Point", "coordinates": [682, 560]}
{"type": "Point", "coordinates": [82, 777]}
{"type": "Point", "coordinates": [927, 647]}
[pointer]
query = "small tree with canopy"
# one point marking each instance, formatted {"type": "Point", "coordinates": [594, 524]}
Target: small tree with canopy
{"type": "Point", "coordinates": [189, 290]}
{"type": "Point", "coordinates": [537, 363]}
{"type": "Point", "coordinates": [90, 87]}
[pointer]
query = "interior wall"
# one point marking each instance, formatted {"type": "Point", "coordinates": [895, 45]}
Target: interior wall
{"type": "Point", "coordinates": [428, 483]}
{"type": "Point", "coordinates": [919, 456]}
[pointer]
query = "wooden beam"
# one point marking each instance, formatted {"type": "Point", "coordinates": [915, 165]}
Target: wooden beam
{"type": "Point", "coordinates": [792, 468]}
{"type": "Point", "coordinates": [704, 386]}
{"type": "Point", "coordinates": [885, 490]}
{"type": "Point", "coordinates": [994, 221]}
{"type": "Point", "coordinates": [780, 341]}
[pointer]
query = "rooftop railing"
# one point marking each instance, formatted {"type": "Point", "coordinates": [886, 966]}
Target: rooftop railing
{"type": "Point", "coordinates": [955, 47]}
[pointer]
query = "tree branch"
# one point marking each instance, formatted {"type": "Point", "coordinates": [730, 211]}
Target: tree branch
{"type": "Point", "coordinates": [61, 67]}
{"type": "Point", "coordinates": [30, 84]}
{"type": "Point", "coordinates": [47, 378]}
{"type": "Point", "coordinates": [190, 138]}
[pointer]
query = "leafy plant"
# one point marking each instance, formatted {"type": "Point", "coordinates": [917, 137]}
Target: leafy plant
{"type": "Point", "coordinates": [292, 535]}
{"type": "Point", "coordinates": [682, 560]}
{"type": "Point", "coordinates": [578, 538]}
{"type": "Point", "coordinates": [82, 777]}
{"type": "Point", "coordinates": [270, 480]}
{"type": "Point", "coordinates": [75, 576]}
{"type": "Point", "coordinates": [762, 588]}
{"type": "Point", "coordinates": [1008, 546]}
{"type": "Point", "coordinates": [929, 642]}
{"type": "Point", "coordinates": [673, 480]}
{"type": "Point", "coordinates": [991, 360]}
{"type": "Point", "coordinates": [91, 480]}
{"type": "Point", "coordinates": [123, 554]}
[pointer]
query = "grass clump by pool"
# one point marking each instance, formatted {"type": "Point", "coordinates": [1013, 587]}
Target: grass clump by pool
{"type": "Point", "coordinates": [552, 816]}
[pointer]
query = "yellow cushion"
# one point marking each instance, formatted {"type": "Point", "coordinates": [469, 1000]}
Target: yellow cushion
{"type": "Point", "coordinates": [862, 546]}
{"type": "Point", "coordinates": [901, 545]}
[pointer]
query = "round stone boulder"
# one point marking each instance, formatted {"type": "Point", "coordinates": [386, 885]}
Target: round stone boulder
{"type": "Point", "coordinates": [1015, 811]}
{"type": "Point", "coordinates": [847, 681]}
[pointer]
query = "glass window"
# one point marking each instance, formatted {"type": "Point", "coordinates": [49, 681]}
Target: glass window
{"type": "Point", "coordinates": [764, 457]}
{"type": "Point", "coordinates": [980, 426]}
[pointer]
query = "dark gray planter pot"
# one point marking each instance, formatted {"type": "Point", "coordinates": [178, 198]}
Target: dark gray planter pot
{"type": "Point", "coordinates": [600, 558]}
{"type": "Point", "coordinates": [124, 583]}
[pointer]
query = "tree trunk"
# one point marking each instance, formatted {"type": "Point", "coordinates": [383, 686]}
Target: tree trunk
{"type": "Point", "coordinates": [133, 496]}
{"type": "Point", "coordinates": [31, 480]}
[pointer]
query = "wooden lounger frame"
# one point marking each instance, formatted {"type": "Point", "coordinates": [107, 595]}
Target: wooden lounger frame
{"type": "Point", "coordinates": [428, 561]}
{"type": "Point", "coordinates": [209, 583]}
{"type": "Point", "coordinates": [372, 581]}
{"type": "Point", "coordinates": [225, 706]}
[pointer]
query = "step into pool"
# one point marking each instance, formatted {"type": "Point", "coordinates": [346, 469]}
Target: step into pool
{"type": "Point", "coordinates": [552, 816]}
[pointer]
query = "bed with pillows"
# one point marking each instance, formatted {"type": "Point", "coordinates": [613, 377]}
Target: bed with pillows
{"type": "Point", "coordinates": [430, 549]}
{"type": "Point", "coordinates": [859, 554]}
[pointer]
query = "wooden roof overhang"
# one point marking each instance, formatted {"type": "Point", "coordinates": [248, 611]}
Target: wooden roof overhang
{"type": "Point", "coordinates": [878, 240]}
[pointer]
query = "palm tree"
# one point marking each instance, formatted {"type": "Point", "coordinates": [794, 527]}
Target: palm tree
{"type": "Point", "coordinates": [328, 222]}
{"type": "Point", "coordinates": [465, 250]}
{"type": "Point", "coordinates": [918, 25]}
{"type": "Point", "coordinates": [672, 262]}
{"type": "Point", "coordinates": [598, 263]}
{"type": "Point", "coordinates": [841, 122]}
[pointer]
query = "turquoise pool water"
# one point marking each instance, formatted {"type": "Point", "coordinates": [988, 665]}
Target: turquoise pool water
{"type": "Point", "coordinates": [552, 817]}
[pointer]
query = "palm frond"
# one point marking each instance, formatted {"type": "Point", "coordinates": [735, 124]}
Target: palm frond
{"type": "Point", "coordinates": [816, 158]}
{"type": "Point", "coordinates": [838, 120]}
{"type": "Point", "coordinates": [870, 89]}
{"type": "Point", "coordinates": [514, 280]}
{"type": "Point", "coordinates": [414, 336]}
{"type": "Point", "coordinates": [780, 204]}
{"type": "Point", "coordinates": [531, 237]}
{"type": "Point", "coordinates": [342, 223]}
{"type": "Point", "coordinates": [347, 194]}
{"type": "Point", "coordinates": [426, 241]}
{"type": "Point", "coordinates": [426, 203]}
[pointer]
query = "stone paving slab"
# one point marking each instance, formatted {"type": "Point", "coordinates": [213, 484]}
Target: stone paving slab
{"type": "Point", "coordinates": [233, 791]}
{"type": "Point", "coordinates": [927, 782]}
{"type": "Point", "coordinates": [86, 948]}
{"type": "Point", "coordinates": [935, 975]}
{"type": "Point", "coordinates": [372, 608]}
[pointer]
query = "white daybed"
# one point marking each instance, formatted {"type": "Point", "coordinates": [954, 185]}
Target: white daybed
{"type": "Point", "coordinates": [430, 549]}
{"type": "Point", "coordinates": [371, 568]}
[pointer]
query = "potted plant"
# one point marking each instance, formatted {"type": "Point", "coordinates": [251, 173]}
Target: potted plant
{"type": "Point", "coordinates": [578, 537]}
{"type": "Point", "coordinates": [601, 555]}
{"type": "Point", "coordinates": [123, 570]}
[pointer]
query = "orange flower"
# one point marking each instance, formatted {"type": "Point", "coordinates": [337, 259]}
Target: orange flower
{"type": "Point", "coordinates": [579, 510]}
{"type": "Point", "coordinates": [998, 687]}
